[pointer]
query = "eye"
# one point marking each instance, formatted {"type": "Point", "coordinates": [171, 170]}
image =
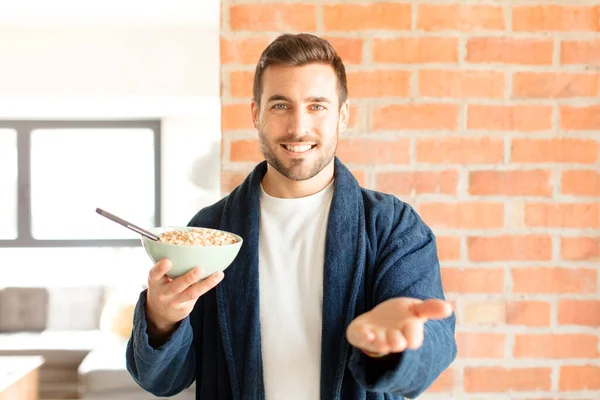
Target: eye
{"type": "Point", "coordinates": [317, 107]}
{"type": "Point", "coordinates": [279, 106]}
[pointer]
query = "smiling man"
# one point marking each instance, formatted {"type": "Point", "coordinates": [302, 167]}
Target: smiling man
{"type": "Point", "coordinates": [336, 292]}
{"type": "Point", "coordinates": [298, 111]}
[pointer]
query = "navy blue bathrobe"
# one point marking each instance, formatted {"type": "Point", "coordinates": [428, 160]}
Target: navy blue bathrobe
{"type": "Point", "coordinates": [376, 248]}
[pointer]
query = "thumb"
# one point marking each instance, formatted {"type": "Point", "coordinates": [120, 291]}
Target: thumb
{"type": "Point", "coordinates": [432, 309]}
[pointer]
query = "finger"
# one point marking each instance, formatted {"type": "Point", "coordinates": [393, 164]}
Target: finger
{"type": "Point", "coordinates": [413, 332]}
{"type": "Point", "coordinates": [184, 281]}
{"type": "Point", "coordinates": [360, 335]}
{"type": "Point", "coordinates": [432, 309]}
{"type": "Point", "coordinates": [158, 271]}
{"type": "Point", "coordinates": [396, 341]}
{"type": "Point", "coordinates": [367, 333]}
{"type": "Point", "coordinates": [198, 289]}
{"type": "Point", "coordinates": [380, 343]}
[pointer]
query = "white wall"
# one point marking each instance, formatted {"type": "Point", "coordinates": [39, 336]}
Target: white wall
{"type": "Point", "coordinates": [96, 60]}
{"type": "Point", "coordinates": [109, 61]}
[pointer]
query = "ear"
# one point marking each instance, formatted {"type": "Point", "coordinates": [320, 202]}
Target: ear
{"type": "Point", "coordinates": [254, 109]}
{"type": "Point", "coordinates": [344, 116]}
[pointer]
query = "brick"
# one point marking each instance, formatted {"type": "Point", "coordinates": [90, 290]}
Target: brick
{"type": "Point", "coordinates": [553, 280]}
{"type": "Point", "coordinates": [367, 151]}
{"type": "Point", "coordinates": [559, 150]}
{"type": "Point", "coordinates": [583, 118]}
{"type": "Point", "coordinates": [231, 179]}
{"type": "Point", "coordinates": [502, 380]}
{"type": "Point", "coordinates": [241, 83]}
{"type": "Point", "coordinates": [511, 183]}
{"type": "Point", "coordinates": [461, 84]}
{"type": "Point", "coordinates": [556, 346]}
{"type": "Point", "coordinates": [579, 377]}
{"type": "Point", "coordinates": [465, 215]}
{"type": "Point", "coordinates": [528, 313]}
{"type": "Point", "coordinates": [564, 398]}
{"type": "Point", "coordinates": [480, 345]}
{"type": "Point", "coordinates": [374, 16]}
{"type": "Point", "coordinates": [273, 17]}
{"type": "Point", "coordinates": [357, 113]}
{"type": "Point", "coordinates": [246, 151]}
{"type": "Point", "coordinates": [236, 116]}
{"type": "Point", "coordinates": [555, 215]}
{"type": "Point", "coordinates": [460, 17]}
{"type": "Point", "coordinates": [556, 18]}
{"type": "Point", "coordinates": [417, 182]}
{"type": "Point", "coordinates": [446, 382]}
{"type": "Point", "coordinates": [555, 84]}
{"type": "Point", "coordinates": [483, 312]}
{"type": "Point", "coordinates": [360, 176]}
{"type": "Point", "coordinates": [416, 116]}
{"type": "Point", "coordinates": [453, 305]}
{"type": "Point", "coordinates": [242, 50]}
{"type": "Point", "coordinates": [580, 182]}
{"type": "Point", "coordinates": [461, 150]}
{"type": "Point", "coordinates": [521, 118]}
{"type": "Point", "coordinates": [379, 83]}
{"type": "Point", "coordinates": [579, 312]}
{"type": "Point", "coordinates": [448, 248]}
{"type": "Point", "coordinates": [506, 50]}
{"type": "Point", "coordinates": [349, 49]}
{"type": "Point", "coordinates": [510, 248]}
{"type": "Point", "coordinates": [584, 52]}
{"type": "Point", "coordinates": [580, 248]}
{"type": "Point", "coordinates": [415, 50]}
{"type": "Point", "coordinates": [473, 280]}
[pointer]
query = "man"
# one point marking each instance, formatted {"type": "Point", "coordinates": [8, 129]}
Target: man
{"type": "Point", "coordinates": [336, 292]}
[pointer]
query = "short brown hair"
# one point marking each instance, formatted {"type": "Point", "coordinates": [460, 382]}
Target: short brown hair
{"type": "Point", "coordinates": [297, 50]}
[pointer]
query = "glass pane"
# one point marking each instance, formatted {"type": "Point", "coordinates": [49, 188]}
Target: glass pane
{"type": "Point", "coordinates": [8, 184]}
{"type": "Point", "coordinates": [74, 171]}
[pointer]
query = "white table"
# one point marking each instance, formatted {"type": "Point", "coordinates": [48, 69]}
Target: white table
{"type": "Point", "coordinates": [19, 377]}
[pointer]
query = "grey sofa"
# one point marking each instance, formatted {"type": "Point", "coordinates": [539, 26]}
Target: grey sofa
{"type": "Point", "coordinates": [62, 324]}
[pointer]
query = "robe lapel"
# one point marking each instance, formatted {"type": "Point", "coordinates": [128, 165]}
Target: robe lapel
{"type": "Point", "coordinates": [237, 295]}
{"type": "Point", "coordinates": [344, 268]}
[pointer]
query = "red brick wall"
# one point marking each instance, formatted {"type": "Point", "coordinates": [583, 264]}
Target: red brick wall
{"type": "Point", "coordinates": [486, 117]}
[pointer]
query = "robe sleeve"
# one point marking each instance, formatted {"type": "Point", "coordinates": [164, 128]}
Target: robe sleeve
{"type": "Point", "coordinates": [408, 266]}
{"type": "Point", "coordinates": [167, 369]}
{"type": "Point", "coordinates": [170, 368]}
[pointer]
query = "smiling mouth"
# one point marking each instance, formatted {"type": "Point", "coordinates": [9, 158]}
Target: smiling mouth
{"type": "Point", "coordinates": [302, 148]}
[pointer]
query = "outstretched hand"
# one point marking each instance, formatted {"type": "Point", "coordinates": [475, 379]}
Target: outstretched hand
{"type": "Point", "coordinates": [395, 325]}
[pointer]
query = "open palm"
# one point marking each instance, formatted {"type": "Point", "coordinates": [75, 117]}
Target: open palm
{"type": "Point", "coordinates": [395, 324]}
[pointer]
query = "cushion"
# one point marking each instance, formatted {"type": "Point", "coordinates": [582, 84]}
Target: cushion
{"type": "Point", "coordinates": [140, 395]}
{"type": "Point", "coordinates": [104, 371]}
{"type": "Point", "coordinates": [23, 309]}
{"type": "Point", "coordinates": [117, 314]}
{"type": "Point", "coordinates": [35, 309]}
{"type": "Point", "coordinates": [75, 308]}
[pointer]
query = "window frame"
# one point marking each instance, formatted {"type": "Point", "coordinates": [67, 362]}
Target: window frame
{"type": "Point", "coordinates": [24, 204]}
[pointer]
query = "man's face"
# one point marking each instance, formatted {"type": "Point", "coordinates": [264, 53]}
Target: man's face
{"type": "Point", "coordinates": [299, 119]}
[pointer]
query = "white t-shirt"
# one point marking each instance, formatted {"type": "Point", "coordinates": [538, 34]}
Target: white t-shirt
{"type": "Point", "coordinates": [291, 258]}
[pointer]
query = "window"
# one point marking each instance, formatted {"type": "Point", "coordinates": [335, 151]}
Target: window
{"type": "Point", "coordinates": [66, 169]}
{"type": "Point", "coordinates": [8, 184]}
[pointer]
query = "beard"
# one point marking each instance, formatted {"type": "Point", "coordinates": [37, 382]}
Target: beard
{"type": "Point", "coordinates": [300, 169]}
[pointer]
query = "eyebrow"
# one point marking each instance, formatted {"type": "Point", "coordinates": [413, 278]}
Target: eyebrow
{"type": "Point", "coordinates": [312, 99]}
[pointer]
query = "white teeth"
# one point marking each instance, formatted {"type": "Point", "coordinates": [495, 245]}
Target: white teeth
{"type": "Point", "coordinates": [298, 149]}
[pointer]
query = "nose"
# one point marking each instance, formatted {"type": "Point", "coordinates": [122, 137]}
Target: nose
{"type": "Point", "coordinates": [299, 123]}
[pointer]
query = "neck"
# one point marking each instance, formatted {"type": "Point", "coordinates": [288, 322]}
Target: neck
{"type": "Point", "coordinates": [277, 185]}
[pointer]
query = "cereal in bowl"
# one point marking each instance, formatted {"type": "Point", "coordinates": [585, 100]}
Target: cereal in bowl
{"type": "Point", "coordinates": [197, 237]}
